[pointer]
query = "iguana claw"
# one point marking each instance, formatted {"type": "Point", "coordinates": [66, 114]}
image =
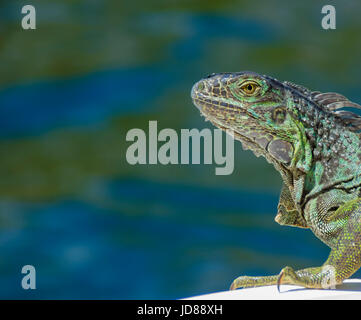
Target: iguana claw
{"type": "Point", "coordinates": [287, 276]}
{"type": "Point", "coordinates": [279, 280]}
{"type": "Point", "coordinates": [233, 286]}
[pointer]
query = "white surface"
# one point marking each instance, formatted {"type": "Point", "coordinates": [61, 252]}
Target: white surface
{"type": "Point", "coordinates": [350, 289]}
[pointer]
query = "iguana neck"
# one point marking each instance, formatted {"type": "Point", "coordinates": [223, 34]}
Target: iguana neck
{"type": "Point", "coordinates": [336, 164]}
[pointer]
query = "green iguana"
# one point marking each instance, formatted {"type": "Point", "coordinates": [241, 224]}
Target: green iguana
{"type": "Point", "coordinates": [314, 143]}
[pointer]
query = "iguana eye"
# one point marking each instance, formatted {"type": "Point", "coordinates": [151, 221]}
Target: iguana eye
{"type": "Point", "coordinates": [249, 87]}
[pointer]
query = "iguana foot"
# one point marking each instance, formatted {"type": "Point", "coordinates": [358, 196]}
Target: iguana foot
{"type": "Point", "coordinates": [246, 282]}
{"type": "Point", "coordinates": [286, 276]}
{"type": "Point", "coordinates": [318, 277]}
{"type": "Point", "coordinates": [324, 277]}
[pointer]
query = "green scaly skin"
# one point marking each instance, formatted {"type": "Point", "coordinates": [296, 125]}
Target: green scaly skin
{"type": "Point", "coordinates": [316, 148]}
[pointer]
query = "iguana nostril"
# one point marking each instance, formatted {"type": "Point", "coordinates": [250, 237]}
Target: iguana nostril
{"type": "Point", "coordinates": [200, 86]}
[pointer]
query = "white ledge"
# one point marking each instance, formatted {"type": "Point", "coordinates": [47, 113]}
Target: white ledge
{"type": "Point", "coordinates": [350, 289]}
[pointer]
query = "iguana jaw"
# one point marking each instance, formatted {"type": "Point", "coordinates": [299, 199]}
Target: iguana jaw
{"type": "Point", "coordinates": [244, 136]}
{"type": "Point", "coordinates": [248, 142]}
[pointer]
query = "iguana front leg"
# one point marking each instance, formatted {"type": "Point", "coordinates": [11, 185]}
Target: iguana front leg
{"type": "Point", "coordinates": [287, 213]}
{"type": "Point", "coordinates": [343, 261]}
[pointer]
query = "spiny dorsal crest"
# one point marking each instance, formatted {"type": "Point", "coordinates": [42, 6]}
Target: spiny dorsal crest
{"type": "Point", "coordinates": [332, 102]}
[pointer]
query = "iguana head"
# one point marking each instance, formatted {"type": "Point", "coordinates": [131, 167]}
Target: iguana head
{"type": "Point", "coordinates": [279, 120]}
{"type": "Point", "coordinates": [254, 107]}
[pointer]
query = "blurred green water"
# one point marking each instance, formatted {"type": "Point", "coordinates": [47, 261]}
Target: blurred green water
{"type": "Point", "coordinates": [92, 70]}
